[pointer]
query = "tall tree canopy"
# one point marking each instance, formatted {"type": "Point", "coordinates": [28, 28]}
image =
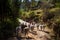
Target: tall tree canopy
{"type": "Point", "coordinates": [9, 12]}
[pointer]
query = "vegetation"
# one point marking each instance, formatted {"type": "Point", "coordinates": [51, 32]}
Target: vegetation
{"type": "Point", "coordinates": [8, 18]}
{"type": "Point", "coordinates": [10, 10]}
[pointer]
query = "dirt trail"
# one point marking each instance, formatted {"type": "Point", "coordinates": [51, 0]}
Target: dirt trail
{"type": "Point", "coordinates": [40, 35]}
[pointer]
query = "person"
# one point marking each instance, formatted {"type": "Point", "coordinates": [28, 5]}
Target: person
{"type": "Point", "coordinates": [37, 26]}
{"type": "Point", "coordinates": [44, 27]}
{"type": "Point", "coordinates": [18, 31]}
{"type": "Point", "coordinates": [26, 29]}
{"type": "Point", "coordinates": [27, 24]}
{"type": "Point", "coordinates": [32, 27]}
{"type": "Point", "coordinates": [22, 28]}
{"type": "Point", "coordinates": [41, 26]}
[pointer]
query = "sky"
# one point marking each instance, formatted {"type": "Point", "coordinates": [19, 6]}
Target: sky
{"type": "Point", "coordinates": [30, 0]}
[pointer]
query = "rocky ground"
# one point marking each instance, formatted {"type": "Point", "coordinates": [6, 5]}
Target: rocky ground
{"type": "Point", "coordinates": [36, 35]}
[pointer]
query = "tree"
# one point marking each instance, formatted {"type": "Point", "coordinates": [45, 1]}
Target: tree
{"type": "Point", "coordinates": [27, 5]}
{"type": "Point", "coordinates": [8, 18]}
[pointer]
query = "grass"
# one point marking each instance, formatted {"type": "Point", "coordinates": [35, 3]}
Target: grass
{"type": "Point", "coordinates": [58, 5]}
